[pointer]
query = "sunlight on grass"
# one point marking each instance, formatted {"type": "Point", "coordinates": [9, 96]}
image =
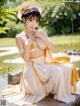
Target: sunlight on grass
{"type": "Point", "coordinates": [60, 40]}
{"type": "Point", "coordinates": [5, 68]}
{"type": "Point", "coordinates": [65, 43]}
{"type": "Point", "coordinates": [3, 51]}
{"type": "Point", "coordinates": [2, 58]}
{"type": "Point", "coordinates": [57, 40]}
{"type": "Point", "coordinates": [7, 42]}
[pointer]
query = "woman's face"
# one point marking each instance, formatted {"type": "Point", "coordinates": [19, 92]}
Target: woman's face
{"type": "Point", "coordinates": [31, 23]}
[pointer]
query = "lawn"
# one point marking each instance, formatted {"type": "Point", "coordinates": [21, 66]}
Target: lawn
{"type": "Point", "coordinates": [5, 68]}
{"type": "Point", "coordinates": [7, 42]}
{"type": "Point", "coordinates": [61, 43]}
{"type": "Point", "coordinates": [65, 43]}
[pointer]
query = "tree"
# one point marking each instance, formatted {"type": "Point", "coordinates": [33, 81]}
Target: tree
{"type": "Point", "coordinates": [61, 19]}
{"type": "Point", "coordinates": [74, 5]}
{"type": "Point", "coordinates": [6, 15]}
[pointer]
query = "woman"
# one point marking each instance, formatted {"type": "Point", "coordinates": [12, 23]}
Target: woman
{"type": "Point", "coordinates": [42, 74]}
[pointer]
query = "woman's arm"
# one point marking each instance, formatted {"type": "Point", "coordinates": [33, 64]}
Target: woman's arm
{"type": "Point", "coordinates": [45, 39]}
{"type": "Point", "coordinates": [23, 51]}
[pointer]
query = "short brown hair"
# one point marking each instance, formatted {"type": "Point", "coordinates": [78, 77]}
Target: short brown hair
{"type": "Point", "coordinates": [29, 9]}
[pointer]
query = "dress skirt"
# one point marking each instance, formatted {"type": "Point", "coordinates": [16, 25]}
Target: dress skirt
{"type": "Point", "coordinates": [40, 78]}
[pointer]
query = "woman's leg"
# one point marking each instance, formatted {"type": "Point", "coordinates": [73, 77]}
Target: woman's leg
{"type": "Point", "coordinates": [58, 83]}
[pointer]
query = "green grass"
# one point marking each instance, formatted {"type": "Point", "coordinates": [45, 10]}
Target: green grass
{"type": "Point", "coordinates": [66, 47]}
{"type": "Point", "coordinates": [1, 51]}
{"type": "Point", "coordinates": [7, 42]}
{"type": "Point", "coordinates": [61, 43]}
{"type": "Point", "coordinates": [77, 64]}
{"type": "Point", "coordinates": [5, 68]}
{"type": "Point", "coordinates": [71, 39]}
{"type": "Point", "coordinates": [12, 56]}
{"type": "Point", "coordinates": [65, 43]}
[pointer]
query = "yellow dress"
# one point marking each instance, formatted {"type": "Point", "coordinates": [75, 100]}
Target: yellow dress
{"type": "Point", "coordinates": [43, 75]}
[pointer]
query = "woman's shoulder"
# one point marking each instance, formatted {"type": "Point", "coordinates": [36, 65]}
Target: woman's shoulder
{"type": "Point", "coordinates": [20, 35]}
{"type": "Point", "coordinates": [20, 38]}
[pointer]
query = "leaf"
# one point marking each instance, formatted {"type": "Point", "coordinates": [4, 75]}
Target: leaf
{"type": "Point", "coordinates": [3, 29]}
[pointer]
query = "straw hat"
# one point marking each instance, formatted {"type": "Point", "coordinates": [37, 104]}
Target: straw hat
{"type": "Point", "coordinates": [27, 7]}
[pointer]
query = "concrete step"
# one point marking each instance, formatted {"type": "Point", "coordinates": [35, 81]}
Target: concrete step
{"type": "Point", "coordinates": [3, 83]}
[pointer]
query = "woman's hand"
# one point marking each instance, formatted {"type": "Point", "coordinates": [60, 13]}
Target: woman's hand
{"type": "Point", "coordinates": [50, 46]}
{"type": "Point", "coordinates": [45, 39]}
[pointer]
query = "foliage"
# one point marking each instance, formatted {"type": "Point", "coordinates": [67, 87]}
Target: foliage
{"type": "Point", "coordinates": [58, 17]}
{"type": "Point", "coordinates": [3, 29]}
{"type": "Point", "coordinates": [15, 28]}
{"type": "Point", "coordinates": [6, 15]}
{"type": "Point", "coordinates": [61, 19]}
{"type": "Point", "coordinates": [75, 6]}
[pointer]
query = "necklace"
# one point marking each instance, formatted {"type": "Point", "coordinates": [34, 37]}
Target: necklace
{"type": "Point", "coordinates": [32, 36]}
